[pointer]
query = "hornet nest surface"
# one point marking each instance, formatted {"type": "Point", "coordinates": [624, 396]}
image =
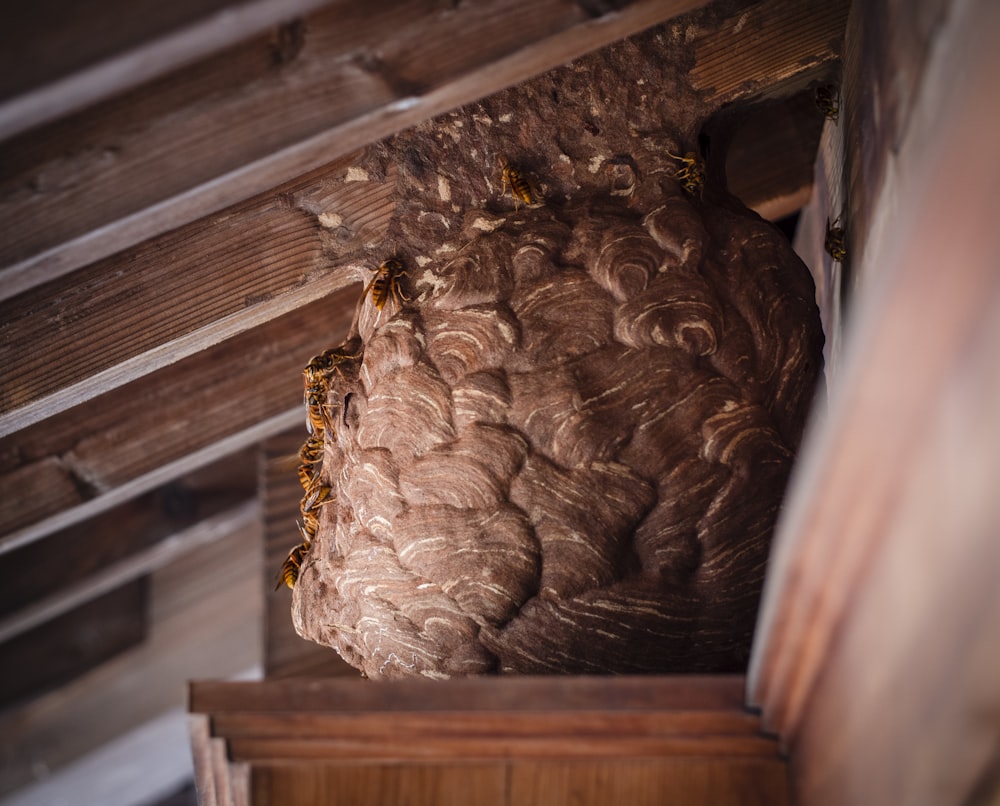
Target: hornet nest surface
{"type": "Point", "coordinates": [562, 445]}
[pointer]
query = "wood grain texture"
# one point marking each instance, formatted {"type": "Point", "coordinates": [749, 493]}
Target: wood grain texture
{"type": "Point", "coordinates": [58, 57]}
{"type": "Point", "coordinates": [178, 295]}
{"type": "Point", "coordinates": [372, 785]}
{"type": "Point", "coordinates": [315, 725]}
{"type": "Point", "coordinates": [41, 659]}
{"type": "Point", "coordinates": [767, 48]}
{"type": "Point", "coordinates": [429, 748]}
{"type": "Point", "coordinates": [710, 693]}
{"type": "Point", "coordinates": [692, 782]}
{"type": "Point", "coordinates": [882, 596]}
{"type": "Point", "coordinates": [240, 122]}
{"type": "Point", "coordinates": [113, 442]}
{"type": "Point", "coordinates": [194, 630]}
{"type": "Point", "coordinates": [641, 783]}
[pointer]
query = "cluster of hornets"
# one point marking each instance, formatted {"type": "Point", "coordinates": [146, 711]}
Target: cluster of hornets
{"type": "Point", "coordinates": [386, 285]}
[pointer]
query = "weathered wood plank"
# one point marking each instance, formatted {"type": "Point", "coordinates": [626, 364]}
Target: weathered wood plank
{"type": "Point", "coordinates": [236, 124]}
{"type": "Point", "coordinates": [882, 595]}
{"type": "Point", "coordinates": [51, 655]}
{"type": "Point", "coordinates": [57, 57]}
{"type": "Point", "coordinates": [480, 694]}
{"type": "Point", "coordinates": [769, 49]}
{"type": "Point", "coordinates": [32, 614]}
{"type": "Point", "coordinates": [173, 297]}
{"type": "Point", "coordinates": [70, 556]}
{"type": "Point", "coordinates": [542, 745]}
{"type": "Point", "coordinates": [204, 620]}
{"type": "Point", "coordinates": [113, 447]}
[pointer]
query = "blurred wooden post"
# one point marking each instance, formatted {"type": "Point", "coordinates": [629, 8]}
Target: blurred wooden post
{"type": "Point", "coordinates": [877, 656]}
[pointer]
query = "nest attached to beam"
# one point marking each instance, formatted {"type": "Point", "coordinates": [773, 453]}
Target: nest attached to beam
{"type": "Point", "coordinates": [562, 446]}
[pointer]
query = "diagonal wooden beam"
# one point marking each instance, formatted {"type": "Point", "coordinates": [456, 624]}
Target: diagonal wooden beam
{"type": "Point", "coordinates": [243, 517]}
{"type": "Point", "coordinates": [59, 57]}
{"type": "Point", "coordinates": [236, 124]}
{"type": "Point", "coordinates": [170, 422]}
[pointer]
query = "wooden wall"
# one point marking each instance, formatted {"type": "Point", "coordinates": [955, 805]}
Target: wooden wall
{"type": "Point", "coordinates": [878, 651]}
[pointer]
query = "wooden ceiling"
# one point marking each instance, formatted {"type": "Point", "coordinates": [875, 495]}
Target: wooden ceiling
{"type": "Point", "coordinates": [165, 274]}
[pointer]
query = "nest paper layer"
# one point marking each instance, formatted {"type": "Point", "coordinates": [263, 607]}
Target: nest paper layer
{"type": "Point", "coordinates": [567, 450]}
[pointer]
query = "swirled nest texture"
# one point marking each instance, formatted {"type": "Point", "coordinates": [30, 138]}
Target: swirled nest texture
{"type": "Point", "coordinates": [563, 450]}
{"type": "Point", "coordinates": [567, 452]}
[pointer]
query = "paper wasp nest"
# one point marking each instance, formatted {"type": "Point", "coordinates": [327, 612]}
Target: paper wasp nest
{"type": "Point", "coordinates": [566, 450]}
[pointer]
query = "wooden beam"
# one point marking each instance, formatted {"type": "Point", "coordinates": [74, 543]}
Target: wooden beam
{"type": "Point", "coordinates": [75, 595]}
{"type": "Point", "coordinates": [58, 57]}
{"type": "Point", "coordinates": [174, 297]}
{"type": "Point", "coordinates": [238, 123]}
{"type": "Point", "coordinates": [41, 659]}
{"type": "Point", "coordinates": [477, 719]}
{"type": "Point", "coordinates": [475, 694]}
{"type": "Point", "coordinates": [769, 49]}
{"type": "Point", "coordinates": [769, 164]}
{"type": "Point", "coordinates": [618, 743]}
{"type": "Point", "coordinates": [72, 555]}
{"type": "Point", "coordinates": [112, 448]}
{"type": "Point", "coordinates": [204, 621]}
{"type": "Point", "coordinates": [881, 595]}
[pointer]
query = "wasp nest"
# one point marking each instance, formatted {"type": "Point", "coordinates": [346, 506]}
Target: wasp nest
{"type": "Point", "coordinates": [561, 444]}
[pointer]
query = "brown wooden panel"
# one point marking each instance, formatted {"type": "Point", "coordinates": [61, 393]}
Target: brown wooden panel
{"type": "Point", "coordinates": [481, 694]}
{"type": "Point", "coordinates": [424, 748]}
{"type": "Point", "coordinates": [60, 650]}
{"type": "Point", "coordinates": [441, 785]}
{"type": "Point", "coordinates": [315, 725]}
{"type": "Point", "coordinates": [58, 56]}
{"type": "Point", "coordinates": [691, 782]}
{"type": "Point", "coordinates": [769, 163]}
{"type": "Point", "coordinates": [34, 572]}
{"type": "Point", "coordinates": [118, 440]}
{"type": "Point", "coordinates": [240, 122]}
{"type": "Point", "coordinates": [769, 48]}
{"type": "Point", "coordinates": [882, 595]}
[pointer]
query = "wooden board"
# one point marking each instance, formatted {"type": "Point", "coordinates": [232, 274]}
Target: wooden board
{"type": "Point", "coordinates": [52, 654]}
{"type": "Point", "coordinates": [99, 454]}
{"type": "Point", "coordinates": [882, 597]}
{"type": "Point", "coordinates": [246, 119]}
{"type": "Point", "coordinates": [204, 620]}
{"type": "Point", "coordinates": [518, 740]}
{"type": "Point", "coordinates": [57, 57]}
